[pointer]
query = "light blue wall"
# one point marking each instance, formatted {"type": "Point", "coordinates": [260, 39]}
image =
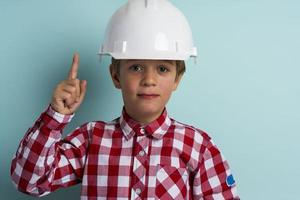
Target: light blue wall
{"type": "Point", "coordinates": [244, 90]}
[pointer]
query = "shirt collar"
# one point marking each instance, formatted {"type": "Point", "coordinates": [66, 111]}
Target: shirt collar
{"type": "Point", "coordinates": [155, 129]}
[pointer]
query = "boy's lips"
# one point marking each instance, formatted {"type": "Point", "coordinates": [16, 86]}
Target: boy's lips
{"type": "Point", "coordinates": [147, 96]}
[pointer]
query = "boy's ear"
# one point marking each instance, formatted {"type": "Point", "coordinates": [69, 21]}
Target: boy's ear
{"type": "Point", "coordinates": [114, 76]}
{"type": "Point", "coordinates": [177, 81]}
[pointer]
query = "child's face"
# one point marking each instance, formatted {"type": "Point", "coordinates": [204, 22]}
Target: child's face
{"type": "Point", "coordinates": [146, 86]}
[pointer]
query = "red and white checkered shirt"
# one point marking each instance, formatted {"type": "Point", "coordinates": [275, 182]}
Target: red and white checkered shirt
{"type": "Point", "coordinates": [122, 160]}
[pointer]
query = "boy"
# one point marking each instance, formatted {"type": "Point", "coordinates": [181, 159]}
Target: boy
{"type": "Point", "coordinates": [143, 154]}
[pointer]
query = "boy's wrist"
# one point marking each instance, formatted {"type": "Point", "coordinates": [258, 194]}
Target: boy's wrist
{"type": "Point", "coordinates": [59, 117]}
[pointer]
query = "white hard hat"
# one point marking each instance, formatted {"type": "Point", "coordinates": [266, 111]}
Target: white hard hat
{"type": "Point", "coordinates": [148, 29]}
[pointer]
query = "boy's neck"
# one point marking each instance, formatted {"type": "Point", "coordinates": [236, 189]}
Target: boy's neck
{"type": "Point", "coordinates": [144, 119]}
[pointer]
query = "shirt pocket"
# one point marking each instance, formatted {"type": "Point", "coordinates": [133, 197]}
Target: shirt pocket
{"type": "Point", "coordinates": [171, 183]}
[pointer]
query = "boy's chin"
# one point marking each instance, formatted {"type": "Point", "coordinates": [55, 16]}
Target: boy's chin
{"type": "Point", "coordinates": [149, 108]}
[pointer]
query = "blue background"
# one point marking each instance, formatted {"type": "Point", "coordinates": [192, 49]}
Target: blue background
{"type": "Point", "coordinates": [244, 90]}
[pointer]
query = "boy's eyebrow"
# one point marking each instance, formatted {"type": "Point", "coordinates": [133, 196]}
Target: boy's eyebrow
{"type": "Point", "coordinates": [171, 62]}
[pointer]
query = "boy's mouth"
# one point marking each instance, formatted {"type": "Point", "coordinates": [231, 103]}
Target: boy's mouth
{"type": "Point", "coordinates": [147, 96]}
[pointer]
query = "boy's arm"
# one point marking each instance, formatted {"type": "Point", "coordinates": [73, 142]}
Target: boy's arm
{"type": "Point", "coordinates": [213, 179]}
{"type": "Point", "coordinates": [44, 162]}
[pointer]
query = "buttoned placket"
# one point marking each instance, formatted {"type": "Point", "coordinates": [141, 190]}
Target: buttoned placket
{"type": "Point", "coordinates": [140, 164]}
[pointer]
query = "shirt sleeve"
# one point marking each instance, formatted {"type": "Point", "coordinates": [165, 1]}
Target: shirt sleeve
{"type": "Point", "coordinates": [44, 161]}
{"type": "Point", "coordinates": [213, 179]}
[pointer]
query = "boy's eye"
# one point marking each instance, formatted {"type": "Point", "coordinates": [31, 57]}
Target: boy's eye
{"type": "Point", "coordinates": [136, 68]}
{"type": "Point", "coordinates": [162, 68]}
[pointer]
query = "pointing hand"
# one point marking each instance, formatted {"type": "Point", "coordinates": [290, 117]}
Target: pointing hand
{"type": "Point", "coordinates": [69, 94]}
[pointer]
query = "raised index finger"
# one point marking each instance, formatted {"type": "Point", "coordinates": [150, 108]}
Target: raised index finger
{"type": "Point", "coordinates": [74, 68]}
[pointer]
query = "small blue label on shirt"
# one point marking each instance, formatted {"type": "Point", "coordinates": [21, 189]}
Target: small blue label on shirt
{"type": "Point", "coordinates": [230, 180]}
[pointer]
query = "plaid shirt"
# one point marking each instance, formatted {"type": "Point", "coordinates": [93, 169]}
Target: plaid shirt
{"type": "Point", "coordinates": [122, 160]}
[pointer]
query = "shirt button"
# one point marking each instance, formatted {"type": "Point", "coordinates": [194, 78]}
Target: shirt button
{"type": "Point", "coordinates": [142, 131]}
{"type": "Point", "coordinates": [142, 172]}
{"type": "Point", "coordinates": [142, 153]}
{"type": "Point", "coordinates": [138, 191]}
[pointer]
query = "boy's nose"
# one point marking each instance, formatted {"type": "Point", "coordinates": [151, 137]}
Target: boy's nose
{"type": "Point", "coordinates": [149, 78]}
